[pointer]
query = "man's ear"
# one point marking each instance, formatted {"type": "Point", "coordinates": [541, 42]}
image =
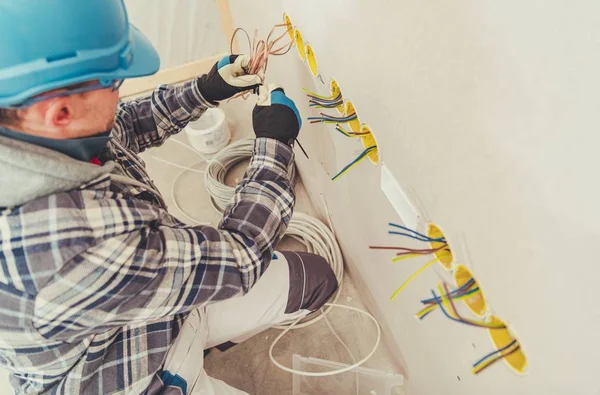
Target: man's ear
{"type": "Point", "coordinates": [58, 112]}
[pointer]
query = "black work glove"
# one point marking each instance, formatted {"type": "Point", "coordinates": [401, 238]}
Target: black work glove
{"type": "Point", "coordinates": [227, 78]}
{"type": "Point", "coordinates": [275, 115]}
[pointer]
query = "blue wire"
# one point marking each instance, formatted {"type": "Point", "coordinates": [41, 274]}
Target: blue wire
{"type": "Point", "coordinates": [438, 302]}
{"type": "Point", "coordinates": [332, 118]}
{"type": "Point", "coordinates": [457, 290]}
{"type": "Point", "coordinates": [428, 240]}
{"type": "Point", "coordinates": [324, 105]}
{"type": "Point", "coordinates": [474, 290]}
{"type": "Point", "coordinates": [365, 152]}
{"type": "Point", "coordinates": [338, 98]}
{"type": "Point", "coordinates": [415, 232]}
{"type": "Point", "coordinates": [425, 315]}
{"type": "Point", "coordinates": [495, 352]}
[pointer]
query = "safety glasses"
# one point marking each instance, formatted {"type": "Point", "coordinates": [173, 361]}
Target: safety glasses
{"type": "Point", "coordinates": [83, 87]}
{"type": "Point", "coordinates": [305, 49]}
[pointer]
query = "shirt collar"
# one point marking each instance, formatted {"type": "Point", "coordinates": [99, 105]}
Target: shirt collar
{"type": "Point", "coordinates": [83, 149]}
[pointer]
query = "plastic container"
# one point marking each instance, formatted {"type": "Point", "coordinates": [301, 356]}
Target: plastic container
{"type": "Point", "coordinates": [210, 133]}
{"type": "Point", "coordinates": [370, 381]}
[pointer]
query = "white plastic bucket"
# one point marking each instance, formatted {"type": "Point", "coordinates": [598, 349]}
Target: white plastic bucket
{"type": "Point", "coordinates": [210, 133]}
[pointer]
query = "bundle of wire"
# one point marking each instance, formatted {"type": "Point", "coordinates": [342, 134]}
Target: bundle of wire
{"type": "Point", "coordinates": [260, 50]}
{"type": "Point", "coordinates": [495, 356]}
{"type": "Point", "coordinates": [214, 178]}
{"type": "Point", "coordinates": [355, 162]}
{"type": "Point", "coordinates": [467, 290]}
{"type": "Point", "coordinates": [350, 134]}
{"type": "Point", "coordinates": [406, 253]}
{"type": "Point", "coordinates": [333, 119]}
{"type": "Point", "coordinates": [452, 313]}
{"type": "Point", "coordinates": [319, 101]}
{"type": "Point", "coordinates": [320, 240]}
{"type": "Point", "coordinates": [316, 237]}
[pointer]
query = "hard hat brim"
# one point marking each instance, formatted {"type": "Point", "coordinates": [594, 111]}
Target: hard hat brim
{"type": "Point", "coordinates": [143, 60]}
{"type": "Point", "coordinates": [146, 60]}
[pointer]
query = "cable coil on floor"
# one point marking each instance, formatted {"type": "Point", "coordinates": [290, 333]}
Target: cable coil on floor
{"type": "Point", "coordinates": [214, 179]}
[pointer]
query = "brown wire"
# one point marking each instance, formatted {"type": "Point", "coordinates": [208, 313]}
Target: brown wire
{"type": "Point", "coordinates": [260, 50]}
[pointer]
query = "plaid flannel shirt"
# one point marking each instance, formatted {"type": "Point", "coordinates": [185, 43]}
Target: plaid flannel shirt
{"type": "Point", "coordinates": [96, 282]}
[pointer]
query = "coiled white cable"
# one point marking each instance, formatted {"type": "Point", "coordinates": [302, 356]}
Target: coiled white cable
{"type": "Point", "coordinates": [317, 238]}
{"type": "Point", "coordinates": [181, 173]}
{"type": "Point", "coordinates": [219, 165]}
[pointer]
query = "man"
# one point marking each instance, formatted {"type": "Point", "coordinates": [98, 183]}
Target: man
{"type": "Point", "coordinates": [101, 290]}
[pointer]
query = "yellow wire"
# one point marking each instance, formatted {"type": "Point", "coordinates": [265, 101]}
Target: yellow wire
{"type": "Point", "coordinates": [318, 96]}
{"type": "Point", "coordinates": [426, 310]}
{"type": "Point", "coordinates": [350, 168]}
{"type": "Point", "coordinates": [445, 301]}
{"type": "Point", "coordinates": [487, 363]}
{"type": "Point", "coordinates": [450, 311]}
{"type": "Point", "coordinates": [434, 306]}
{"type": "Point", "coordinates": [415, 274]}
{"type": "Point", "coordinates": [399, 258]}
{"type": "Point", "coordinates": [348, 134]}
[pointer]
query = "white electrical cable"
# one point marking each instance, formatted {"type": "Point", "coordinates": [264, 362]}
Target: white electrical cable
{"type": "Point", "coordinates": [318, 239]}
{"type": "Point", "coordinates": [345, 346]}
{"type": "Point", "coordinates": [309, 231]}
{"type": "Point", "coordinates": [184, 170]}
{"type": "Point", "coordinates": [214, 179]}
{"type": "Point", "coordinates": [332, 372]}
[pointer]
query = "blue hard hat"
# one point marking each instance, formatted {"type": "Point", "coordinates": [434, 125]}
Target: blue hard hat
{"type": "Point", "coordinates": [50, 44]}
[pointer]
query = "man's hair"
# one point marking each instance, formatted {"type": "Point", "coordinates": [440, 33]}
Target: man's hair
{"type": "Point", "coordinates": [9, 116]}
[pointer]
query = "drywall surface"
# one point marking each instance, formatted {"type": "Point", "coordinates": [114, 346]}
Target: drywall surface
{"type": "Point", "coordinates": [486, 112]}
{"type": "Point", "coordinates": [181, 30]}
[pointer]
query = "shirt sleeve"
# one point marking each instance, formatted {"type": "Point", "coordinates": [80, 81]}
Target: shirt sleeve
{"type": "Point", "coordinates": [148, 122]}
{"type": "Point", "coordinates": [149, 265]}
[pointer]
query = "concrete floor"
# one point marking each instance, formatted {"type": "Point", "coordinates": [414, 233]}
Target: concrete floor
{"type": "Point", "coordinates": [247, 366]}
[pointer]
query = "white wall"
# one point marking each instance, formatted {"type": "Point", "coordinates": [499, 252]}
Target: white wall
{"type": "Point", "coordinates": [181, 30]}
{"type": "Point", "coordinates": [487, 112]}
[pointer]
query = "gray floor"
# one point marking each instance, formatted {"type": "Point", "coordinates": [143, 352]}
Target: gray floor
{"type": "Point", "coordinates": [247, 365]}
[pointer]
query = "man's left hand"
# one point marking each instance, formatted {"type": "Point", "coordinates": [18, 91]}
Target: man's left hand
{"type": "Point", "coordinates": [227, 78]}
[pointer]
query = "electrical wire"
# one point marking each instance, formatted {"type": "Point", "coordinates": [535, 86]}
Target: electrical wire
{"type": "Point", "coordinates": [440, 301]}
{"type": "Point", "coordinates": [464, 288]}
{"type": "Point", "coordinates": [316, 104]}
{"type": "Point", "coordinates": [312, 233]}
{"type": "Point", "coordinates": [432, 306]}
{"type": "Point", "coordinates": [350, 134]}
{"type": "Point", "coordinates": [318, 239]}
{"type": "Point", "coordinates": [401, 248]}
{"type": "Point", "coordinates": [260, 50]}
{"type": "Point", "coordinates": [320, 97]}
{"type": "Point", "coordinates": [355, 162]}
{"type": "Point", "coordinates": [407, 255]}
{"type": "Point", "coordinates": [332, 119]}
{"type": "Point", "coordinates": [333, 372]}
{"type": "Point", "coordinates": [214, 179]}
{"type": "Point", "coordinates": [184, 170]}
{"type": "Point", "coordinates": [431, 239]}
{"type": "Point", "coordinates": [413, 276]}
{"type": "Point", "coordinates": [345, 346]}
{"type": "Point", "coordinates": [422, 252]}
{"type": "Point", "coordinates": [489, 363]}
{"type": "Point", "coordinates": [509, 345]}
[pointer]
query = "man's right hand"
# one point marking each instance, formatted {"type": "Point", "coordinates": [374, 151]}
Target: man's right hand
{"type": "Point", "coordinates": [275, 115]}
